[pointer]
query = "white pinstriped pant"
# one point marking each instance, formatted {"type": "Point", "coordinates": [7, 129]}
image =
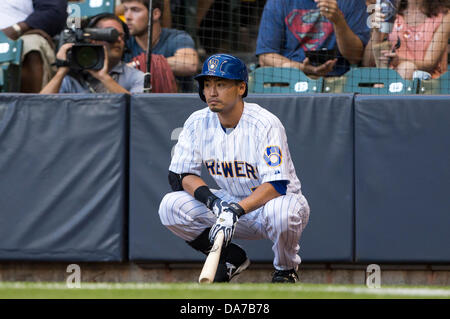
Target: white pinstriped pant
{"type": "Point", "coordinates": [282, 220]}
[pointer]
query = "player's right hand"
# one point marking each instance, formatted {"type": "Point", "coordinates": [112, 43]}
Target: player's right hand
{"type": "Point", "coordinates": [218, 206]}
{"type": "Point", "coordinates": [226, 222]}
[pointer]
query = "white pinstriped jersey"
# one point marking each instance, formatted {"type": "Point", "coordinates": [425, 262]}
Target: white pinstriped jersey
{"type": "Point", "coordinates": [254, 152]}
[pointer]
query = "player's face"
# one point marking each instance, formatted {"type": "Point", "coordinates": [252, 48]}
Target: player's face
{"type": "Point", "coordinates": [222, 94]}
{"type": "Point", "coordinates": [136, 15]}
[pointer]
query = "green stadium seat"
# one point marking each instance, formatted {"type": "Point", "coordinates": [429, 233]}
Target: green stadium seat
{"type": "Point", "coordinates": [282, 80]}
{"type": "Point", "coordinates": [89, 8]}
{"type": "Point", "coordinates": [79, 12]}
{"type": "Point", "coordinates": [440, 85]}
{"type": "Point", "coordinates": [378, 81]}
{"type": "Point", "coordinates": [10, 63]}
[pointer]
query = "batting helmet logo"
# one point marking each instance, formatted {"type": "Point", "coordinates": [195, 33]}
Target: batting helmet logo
{"type": "Point", "coordinates": [212, 64]}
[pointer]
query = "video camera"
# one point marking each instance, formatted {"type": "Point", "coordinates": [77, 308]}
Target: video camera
{"type": "Point", "coordinates": [85, 55]}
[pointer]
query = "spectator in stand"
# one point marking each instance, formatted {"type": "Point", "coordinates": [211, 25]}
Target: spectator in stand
{"type": "Point", "coordinates": [418, 41]}
{"type": "Point", "coordinates": [175, 45]}
{"type": "Point", "coordinates": [114, 77]}
{"type": "Point", "coordinates": [162, 78]}
{"type": "Point", "coordinates": [288, 28]}
{"type": "Point", "coordinates": [35, 22]}
{"type": "Point", "coordinates": [166, 20]}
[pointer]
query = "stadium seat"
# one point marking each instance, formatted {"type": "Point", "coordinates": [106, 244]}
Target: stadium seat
{"type": "Point", "coordinates": [334, 84]}
{"type": "Point", "coordinates": [282, 80]}
{"type": "Point", "coordinates": [79, 11]}
{"type": "Point", "coordinates": [440, 85]}
{"type": "Point", "coordinates": [10, 64]}
{"type": "Point", "coordinates": [88, 8]}
{"type": "Point", "coordinates": [378, 81]}
{"type": "Point", "coordinates": [2, 81]}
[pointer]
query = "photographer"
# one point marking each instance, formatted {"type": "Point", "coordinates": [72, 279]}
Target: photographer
{"type": "Point", "coordinates": [114, 77]}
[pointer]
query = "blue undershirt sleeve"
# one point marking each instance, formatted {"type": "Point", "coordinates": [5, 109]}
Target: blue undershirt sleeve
{"type": "Point", "coordinates": [280, 186]}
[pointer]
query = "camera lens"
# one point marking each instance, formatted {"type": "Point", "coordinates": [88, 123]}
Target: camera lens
{"type": "Point", "coordinates": [87, 57]}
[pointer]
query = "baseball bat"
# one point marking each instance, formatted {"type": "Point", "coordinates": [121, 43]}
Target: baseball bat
{"type": "Point", "coordinates": [211, 262]}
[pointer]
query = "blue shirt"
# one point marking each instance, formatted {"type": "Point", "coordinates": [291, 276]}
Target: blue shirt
{"type": "Point", "coordinates": [129, 78]}
{"type": "Point", "coordinates": [170, 41]}
{"type": "Point", "coordinates": [291, 27]}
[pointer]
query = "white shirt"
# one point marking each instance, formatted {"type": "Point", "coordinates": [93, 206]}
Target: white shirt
{"type": "Point", "coordinates": [13, 11]}
{"type": "Point", "coordinates": [255, 152]}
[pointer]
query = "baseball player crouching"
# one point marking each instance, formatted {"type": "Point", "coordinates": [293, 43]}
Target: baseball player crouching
{"type": "Point", "coordinates": [244, 148]}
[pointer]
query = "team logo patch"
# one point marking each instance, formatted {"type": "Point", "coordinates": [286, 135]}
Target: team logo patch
{"type": "Point", "coordinates": [213, 64]}
{"type": "Point", "coordinates": [272, 156]}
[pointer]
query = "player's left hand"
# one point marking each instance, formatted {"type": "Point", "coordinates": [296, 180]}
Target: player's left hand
{"type": "Point", "coordinates": [226, 222]}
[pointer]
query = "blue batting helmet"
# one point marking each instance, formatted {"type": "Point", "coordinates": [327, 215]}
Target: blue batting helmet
{"type": "Point", "coordinates": [223, 66]}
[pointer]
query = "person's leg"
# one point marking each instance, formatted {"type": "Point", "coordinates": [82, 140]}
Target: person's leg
{"type": "Point", "coordinates": [32, 73]}
{"type": "Point", "coordinates": [281, 220]}
{"type": "Point", "coordinates": [37, 59]}
{"type": "Point", "coordinates": [406, 69]}
{"type": "Point", "coordinates": [285, 219]}
{"type": "Point", "coordinates": [191, 220]}
{"type": "Point", "coordinates": [185, 216]}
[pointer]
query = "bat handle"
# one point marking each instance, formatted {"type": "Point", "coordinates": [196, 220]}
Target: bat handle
{"type": "Point", "coordinates": [212, 261]}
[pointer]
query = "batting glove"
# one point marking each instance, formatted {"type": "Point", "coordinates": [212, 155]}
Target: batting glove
{"type": "Point", "coordinates": [226, 222]}
{"type": "Point", "coordinates": [218, 206]}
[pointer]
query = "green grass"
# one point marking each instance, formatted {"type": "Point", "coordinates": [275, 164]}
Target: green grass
{"type": "Point", "coordinates": [28, 290]}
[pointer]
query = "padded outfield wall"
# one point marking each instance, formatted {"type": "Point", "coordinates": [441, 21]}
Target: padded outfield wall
{"type": "Point", "coordinates": [81, 176]}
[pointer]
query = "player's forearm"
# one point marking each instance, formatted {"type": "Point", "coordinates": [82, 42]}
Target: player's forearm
{"type": "Point", "coordinates": [264, 193]}
{"type": "Point", "coordinates": [191, 183]}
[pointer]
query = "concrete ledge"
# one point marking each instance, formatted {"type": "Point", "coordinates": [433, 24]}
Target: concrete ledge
{"type": "Point", "coordinates": [420, 275]}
